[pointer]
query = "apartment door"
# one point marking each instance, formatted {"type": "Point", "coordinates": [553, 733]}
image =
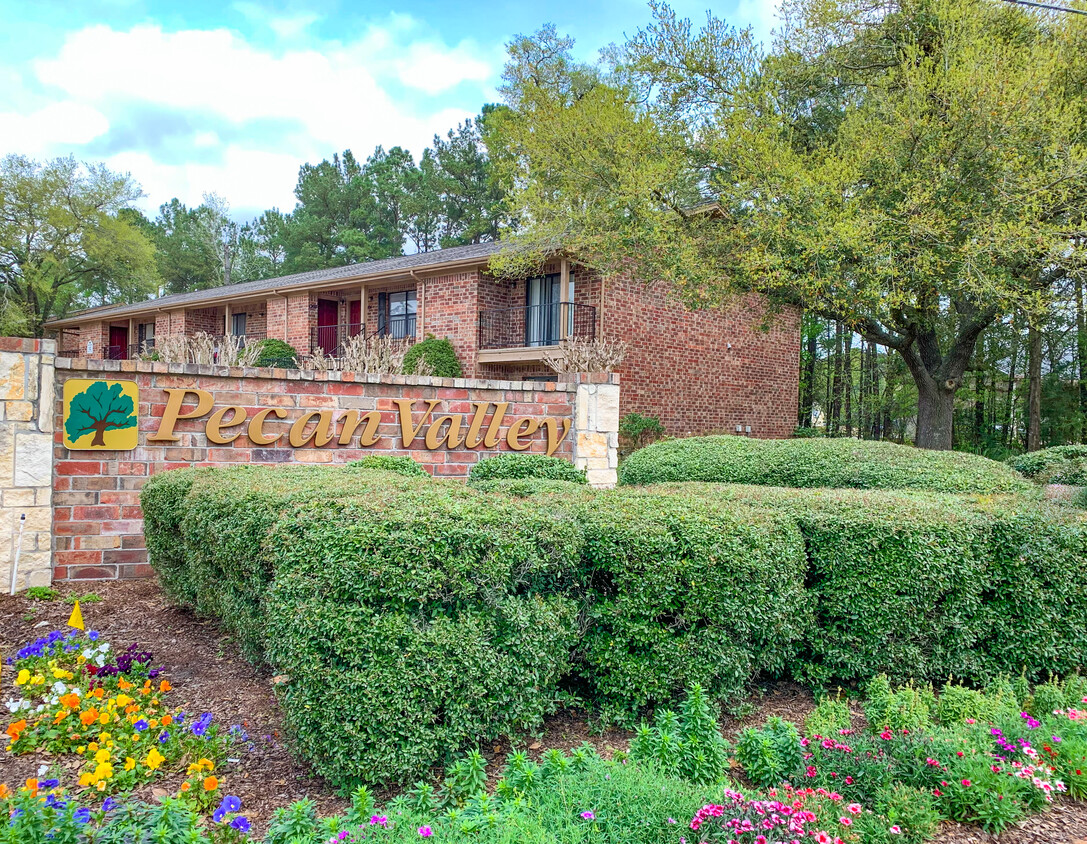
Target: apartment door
{"type": "Point", "coordinates": [118, 343]}
{"type": "Point", "coordinates": [354, 317]}
{"type": "Point", "coordinates": [543, 312]}
{"type": "Point", "coordinates": [328, 313]}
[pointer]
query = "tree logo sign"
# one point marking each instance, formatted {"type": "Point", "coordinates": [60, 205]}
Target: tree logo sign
{"type": "Point", "coordinates": [100, 415]}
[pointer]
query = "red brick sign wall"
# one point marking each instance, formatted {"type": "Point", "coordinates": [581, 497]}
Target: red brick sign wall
{"type": "Point", "coordinates": [98, 523]}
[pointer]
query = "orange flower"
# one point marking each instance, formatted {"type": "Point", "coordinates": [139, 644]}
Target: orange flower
{"type": "Point", "coordinates": [211, 783]}
{"type": "Point", "coordinates": [124, 684]}
{"type": "Point", "coordinates": [4, 791]}
{"type": "Point", "coordinates": [89, 717]}
{"type": "Point", "coordinates": [185, 786]}
{"type": "Point", "coordinates": [165, 686]}
{"type": "Point", "coordinates": [99, 693]}
{"type": "Point", "coordinates": [15, 729]}
{"type": "Point", "coordinates": [167, 720]}
{"type": "Point", "coordinates": [70, 701]}
{"type": "Point", "coordinates": [32, 786]}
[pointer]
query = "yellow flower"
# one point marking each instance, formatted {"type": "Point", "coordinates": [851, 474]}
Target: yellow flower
{"type": "Point", "coordinates": [130, 763]}
{"type": "Point", "coordinates": [80, 749]}
{"type": "Point", "coordinates": [23, 678]}
{"type": "Point", "coordinates": [123, 700]}
{"type": "Point", "coordinates": [103, 718]}
{"type": "Point", "coordinates": [92, 746]}
{"type": "Point", "coordinates": [104, 737]}
{"type": "Point", "coordinates": [102, 756]}
{"type": "Point", "coordinates": [85, 780]}
{"type": "Point", "coordinates": [103, 771]}
{"type": "Point", "coordinates": [154, 759]}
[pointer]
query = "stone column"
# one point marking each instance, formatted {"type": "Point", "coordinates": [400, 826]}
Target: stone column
{"type": "Point", "coordinates": [596, 427]}
{"type": "Point", "coordinates": [26, 460]}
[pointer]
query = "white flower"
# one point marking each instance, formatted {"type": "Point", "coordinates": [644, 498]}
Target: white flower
{"type": "Point", "coordinates": [43, 770]}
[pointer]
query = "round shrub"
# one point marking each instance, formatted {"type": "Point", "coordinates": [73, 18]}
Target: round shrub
{"type": "Point", "coordinates": [390, 463]}
{"type": "Point", "coordinates": [816, 463]}
{"type": "Point", "coordinates": [533, 487]}
{"type": "Point", "coordinates": [1062, 464]}
{"type": "Point", "coordinates": [438, 355]}
{"type": "Point", "coordinates": [520, 466]}
{"type": "Point", "coordinates": [275, 352]}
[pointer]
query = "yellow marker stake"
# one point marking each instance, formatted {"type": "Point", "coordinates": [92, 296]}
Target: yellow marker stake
{"type": "Point", "coordinates": [76, 618]}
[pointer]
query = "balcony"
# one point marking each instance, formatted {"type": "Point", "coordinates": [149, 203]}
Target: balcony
{"type": "Point", "coordinates": [333, 338]}
{"type": "Point", "coordinates": [526, 333]}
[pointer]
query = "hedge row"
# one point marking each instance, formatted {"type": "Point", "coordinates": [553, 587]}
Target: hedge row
{"type": "Point", "coordinates": [415, 616]}
{"type": "Point", "coordinates": [1062, 464]}
{"type": "Point", "coordinates": [807, 463]}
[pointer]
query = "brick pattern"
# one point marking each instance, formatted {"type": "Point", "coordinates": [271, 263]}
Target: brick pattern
{"type": "Point", "coordinates": [451, 309]}
{"type": "Point", "coordinates": [705, 371]}
{"type": "Point", "coordinates": [26, 437]}
{"type": "Point", "coordinates": [208, 320]}
{"type": "Point", "coordinates": [98, 522]}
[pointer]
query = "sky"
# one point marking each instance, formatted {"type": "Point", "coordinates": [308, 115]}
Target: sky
{"type": "Point", "coordinates": [196, 96]}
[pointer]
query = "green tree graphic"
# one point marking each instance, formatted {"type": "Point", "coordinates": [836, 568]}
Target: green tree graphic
{"type": "Point", "coordinates": [101, 407]}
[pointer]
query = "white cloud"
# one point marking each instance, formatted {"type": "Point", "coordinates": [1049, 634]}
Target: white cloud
{"type": "Point", "coordinates": [355, 94]}
{"type": "Point", "coordinates": [292, 26]}
{"type": "Point", "coordinates": [762, 15]}
{"type": "Point", "coordinates": [57, 123]}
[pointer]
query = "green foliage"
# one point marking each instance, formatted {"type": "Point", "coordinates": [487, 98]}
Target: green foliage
{"type": "Point", "coordinates": [636, 430]}
{"type": "Point", "coordinates": [905, 708]}
{"type": "Point", "coordinates": [686, 590]}
{"type": "Point", "coordinates": [1058, 694]}
{"type": "Point", "coordinates": [912, 810]}
{"type": "Point", "coordinates": [1080, 499]}
{"type": "Point", "coordinates": [836, 463]}
{"type": "Point", "coordinates": [1062, 464]}
{"type": "Point", "coordinates": [532, 487]}
{"type": "Point", "coordinates": [275, 352]}
{"type": "Point", "coordinates": [520, 466]}
{"type": "Point", "coordinates": [99, 408]}
{"type": "Point", "coordinates": [41, 593]}
{"type": "Point", "coordinates": [830, 715]}
{"type": "Point", "coordinates": [388, 463]}
{"type": "Point", "coordinates": [438, 356]}
{"type": "Point", "coordinates": [688, 746]}
{"type": "Point", "coordinates": [956, 704]}
{"type": "Point", "coordinates": [772, 754]}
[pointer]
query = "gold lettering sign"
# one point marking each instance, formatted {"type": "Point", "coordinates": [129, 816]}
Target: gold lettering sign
{"type": "Point", "coordinates": [447, 430]}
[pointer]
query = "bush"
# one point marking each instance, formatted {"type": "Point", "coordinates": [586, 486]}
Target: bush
{"type": "Point", "coordinates": [535, 487]}
{"type": "Point", "coordinates": [686, 590]}
{"type": "Point", "coordinates": [1062, 464]}
{"type": "Point", "coordinates": [518, 466]}
{"type": "Point", "coordinates": [438, 355]}
{"type": "Point", "coordinates": [772, 754]}
{"type": "Point", "coordinates": [277, 353]}
{"type": "Point", "coordinates": [688, 746]}
{"type": "Point", "coordinates": [637, 431]}
{"type": "Point", "coordinates": [388, 463]}
{"type": "Point", "coordinates": [829, 717]}
{"type": "Point", "coordinates": [1080, 499]}
{"type": "Point", "coordinates": [834, 463]}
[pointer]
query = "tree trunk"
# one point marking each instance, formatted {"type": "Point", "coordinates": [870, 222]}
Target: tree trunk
{"type": "Point", "coordinates": [99, 434]}
{"type": "Point", "coordinates": [836, 398]}
{"type": "Point", "coordinates": [1034, 399]}
{"type": "Point", "coordinates": [935, 416]}
{"type": "Point", "coordinates": [847, 385]}
{"type": "Point", "coordinates": [1009, 404]}
{"type": "Point", "coordinates": [1081, 354]}
{"type": "Point", "coordinates": [807, 391]}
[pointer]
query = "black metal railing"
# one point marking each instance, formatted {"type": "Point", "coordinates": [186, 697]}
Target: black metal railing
{"type": "Point", "coordinates": [144, 347]}
{"type": "Point", "coordinates": [116, 353]}
{"type": "Point", "coordinates": [536, 325]}
{"type": "Point", "coordinates": [332, 338]}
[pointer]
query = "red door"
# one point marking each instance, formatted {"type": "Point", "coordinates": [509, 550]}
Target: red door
{"type": "Point", "coordinates": [354, 317]}
{"type": "Point", "coordinates": [118, 343]}
{"type": "Point", "coordinates": [327, 316]}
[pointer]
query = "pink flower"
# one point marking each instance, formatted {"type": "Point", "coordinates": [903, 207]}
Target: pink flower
{"type": "Point", "coordinates": [849, 780]}
{"type": "Point", "coordinates": [895, 830]}
{"type": "Point", "coordinates": [589, 816]}
{"type": "Point", "coordinates": [966, 783]}
{"type": "Point", "coordinates": [854, 808]}
{"type": "Point", "coordinates": [845, 821]}
{"type": "Point", "coordinates": [426, 831]}
{"type": "Point", "coordinates": [886, 735]}
{"type": "Point", "coordinates": [822, 838]}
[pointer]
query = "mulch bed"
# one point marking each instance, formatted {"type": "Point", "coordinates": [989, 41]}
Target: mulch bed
{"type": "Point", "coordinates": [209, 675]}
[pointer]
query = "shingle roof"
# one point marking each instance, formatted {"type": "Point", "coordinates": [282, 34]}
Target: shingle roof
{"type": "Point", "coordinates": [420, 260]}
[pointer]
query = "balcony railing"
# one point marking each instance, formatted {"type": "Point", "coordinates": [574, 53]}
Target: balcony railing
{"type": "Point", "coordinates": [332, 338]}
{"type": "Point", "coordinates": [536, 325]}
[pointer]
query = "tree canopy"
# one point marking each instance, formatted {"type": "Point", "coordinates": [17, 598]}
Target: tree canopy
{"type": "Point", "coordinates": [912, 168]}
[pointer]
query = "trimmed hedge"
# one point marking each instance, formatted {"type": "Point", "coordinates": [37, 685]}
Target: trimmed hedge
{"type": "Point", "coordinates": [518, 466]}
{"type": "Point", "coordinates": [1062, 464]}
{"type": "Point", "coordinates": [805, 463]}
{"type": "Point", "coordinates": [439, 355]}
{"type": "Point", "coordinates": [275, 352]}
{"type": "Point", "coordinates": [413, 617]}
{"type": "Point", "coordinates": [389, 463]}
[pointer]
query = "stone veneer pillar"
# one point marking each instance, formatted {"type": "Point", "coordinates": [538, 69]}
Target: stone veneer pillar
{"type": "Point", "coordinates": [26, 459]}
{"type": "Point", "coordinates": [596, 428]}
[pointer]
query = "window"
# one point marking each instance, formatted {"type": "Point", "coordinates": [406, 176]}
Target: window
{"type": "Point", "coordinates": [146, 333]}
{"type": "Point", "coordinates": [396, 314]}
{"type": "Point", "coordinates": [543, 311]}
{"type": "Point", "coordinates": [237, 324]}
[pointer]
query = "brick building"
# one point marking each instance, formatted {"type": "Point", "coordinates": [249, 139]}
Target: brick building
{"type": "Point", "coordinates": [727, 369]}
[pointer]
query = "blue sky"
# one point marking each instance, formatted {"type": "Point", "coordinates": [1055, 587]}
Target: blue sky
{"type": "Point", "coordinates": [230, 97]}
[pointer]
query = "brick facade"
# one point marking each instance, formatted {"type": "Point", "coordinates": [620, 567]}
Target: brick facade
{"type": "Point", "coordinates": [97, 517]}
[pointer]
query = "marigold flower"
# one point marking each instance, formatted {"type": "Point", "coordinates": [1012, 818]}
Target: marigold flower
{"type": "Point", "coordinates": [185, 786]}
{"type": "Point", "coordinates": [4, 790]}
{"type": "Point", "coordinates": [32, 785]}
{"type": "Point", "coordinates": [211, 783]}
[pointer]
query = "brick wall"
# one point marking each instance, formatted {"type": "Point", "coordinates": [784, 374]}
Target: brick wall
{"type": "Point", "coordinates": [97, 519]}
{"type": "Point", "coordinates": [702, 371]}
{"type": "Point", "coordinates": [451, 309]}
{"type": "Point", "coordinates": [208, 320]}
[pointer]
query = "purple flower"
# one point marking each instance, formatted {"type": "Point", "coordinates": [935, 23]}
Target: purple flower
{"type": "Point", "coordinates": [165, 737]}
{"type": "Point", "coordinates": [426, 831]}
{"type": "Point", "coordinates": [589, 816]}
{"type": "Point", "coordinates": [82, 815]}
{"type": "Point", "coordinates": [140, 725]}
{"type": "Point", "coordinates": [47, 784]}
{"type": "Point", "coordinates": [231, 804]}
{"type": "Point", "coordinates": [93, 635]}
{"type": "Point", "coordinates": [241, 824]}
{"type": "Point", "coordinates": [109, 804]}
{"type": "Point", "coordinates": [200, 726]}
{"type": "Point", "coordinates": [218, 815]}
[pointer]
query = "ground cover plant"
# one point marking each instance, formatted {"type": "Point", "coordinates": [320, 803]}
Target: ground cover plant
{"type": "Point", "coordinates": [1062, 464]}
{"type": "Point", "coordinates": [807, 463]}
{"type": "Point", "coordinates": [522, 466]}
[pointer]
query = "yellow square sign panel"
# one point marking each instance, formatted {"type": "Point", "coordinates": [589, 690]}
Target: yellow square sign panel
{"type": "Point", "coordinates": [101, 415]}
